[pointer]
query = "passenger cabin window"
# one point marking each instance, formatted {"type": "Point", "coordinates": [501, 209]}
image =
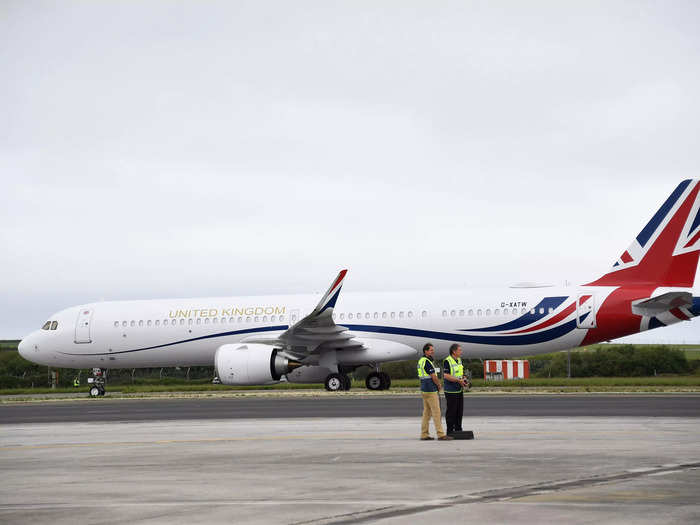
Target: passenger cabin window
{"type": "Point", "coordinates": [496, 312]}
{"type": "Point", "coordinates": [410, 314]}
{"type": "Point", "coordinates": [116, 324]}
{"type": "Point", "coordinates": [444, 313]}
{"type": "Point", "coordinates": [452, 313]}
{"type": "Point", "coordinates": [54, 325]}
{"type": "Point", "coordinates": [424, 314]}
{"type": "Point", "coordinates": [471, 312]}
{"type": "Point", "coordinates": [488, 311]}
{"type": "Point", "coordinates": [157, 322]}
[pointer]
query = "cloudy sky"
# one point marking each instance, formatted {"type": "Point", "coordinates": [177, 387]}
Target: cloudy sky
{"type": "Point", "coordinates": [168, 149]}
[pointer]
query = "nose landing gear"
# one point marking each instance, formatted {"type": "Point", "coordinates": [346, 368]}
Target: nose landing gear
{"type": "Point", "coordinates": [97, 382]}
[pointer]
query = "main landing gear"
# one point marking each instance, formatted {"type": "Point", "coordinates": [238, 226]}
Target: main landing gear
{"type": "Point", "coordinates": [97, 382]}
{"type": "Point", "coordinates": [337, 382]}
{"type": "Point", "coordinates": [378, 381]}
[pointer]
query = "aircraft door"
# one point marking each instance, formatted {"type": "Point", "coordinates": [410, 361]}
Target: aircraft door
{"type": "Point", "coordinates": [585, 311]}
{"type": "Point", "coordinates": [293, 317]}
{"type": "Point", "coordinates": [82, 326]}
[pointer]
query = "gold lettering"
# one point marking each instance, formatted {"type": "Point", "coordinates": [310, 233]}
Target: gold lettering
{"type": "Point", "coordinates": [213, 312]}
{"type": "Point", "coordinates": [269, 310]}
{"type": "Point", "coordinates": [173, 314]}
{"type": "Point", "coordinates": [259, 310]}
{"type": "Point", "coordinates": [279, 310]}
{"type": "Point", "coordinates": [249, 311]}
{"type": "Point", "coordinates": [239, 311]}
{"type": "Point", "coordinates": [225, 312]}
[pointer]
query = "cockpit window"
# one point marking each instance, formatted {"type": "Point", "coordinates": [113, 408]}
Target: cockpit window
{"type": "Point", "coordinates": [46, 326]}
{"type": "Point", "coordinates": [54, 325]}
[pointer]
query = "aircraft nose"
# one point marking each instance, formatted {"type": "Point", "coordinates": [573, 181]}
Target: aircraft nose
{"type": "Point", "coordinates": [22, 347]}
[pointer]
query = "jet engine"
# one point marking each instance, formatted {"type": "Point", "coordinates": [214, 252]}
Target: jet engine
{"type": "Point", "coordinates": [251, 364]}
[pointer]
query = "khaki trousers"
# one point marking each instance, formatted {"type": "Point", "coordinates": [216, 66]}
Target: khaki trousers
{"type": "Point", "coordinates": [431, 409]}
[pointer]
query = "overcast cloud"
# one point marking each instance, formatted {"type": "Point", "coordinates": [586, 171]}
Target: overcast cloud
{"type": "Point", "coordinates": [157, 149]}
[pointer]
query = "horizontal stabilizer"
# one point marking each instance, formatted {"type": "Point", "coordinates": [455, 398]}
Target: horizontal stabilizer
{"type": "Point", "coordinates": [663, 303]}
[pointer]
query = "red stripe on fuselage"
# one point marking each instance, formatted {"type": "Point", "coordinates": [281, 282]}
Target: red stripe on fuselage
{"type": "Point", "coordinates": [559, 317]}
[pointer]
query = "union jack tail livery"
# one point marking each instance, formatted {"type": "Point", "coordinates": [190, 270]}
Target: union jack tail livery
{"type": "Point", "coordinates": [665, 253]}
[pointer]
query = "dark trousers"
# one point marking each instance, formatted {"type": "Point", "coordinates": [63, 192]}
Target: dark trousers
{"type": "Point", "coordinates": [453, 414]}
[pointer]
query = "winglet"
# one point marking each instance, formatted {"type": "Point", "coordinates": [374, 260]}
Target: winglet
{"type": "Point", "coordinates": [331, 296]}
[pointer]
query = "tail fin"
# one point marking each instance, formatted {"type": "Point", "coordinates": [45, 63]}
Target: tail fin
{"type": "Point", "coordinates": [665, 253]}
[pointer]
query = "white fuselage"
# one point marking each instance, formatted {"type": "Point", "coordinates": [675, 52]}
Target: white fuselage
{"type": "Point", "coordinates": [502, 323]}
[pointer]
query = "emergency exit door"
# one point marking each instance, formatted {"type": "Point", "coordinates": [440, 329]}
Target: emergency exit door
{"type": "Point", "coordinates": [294, 317]}
{"type": "Point", "coordinates": [82, 326]}
{"type": "Point", "coordinates": [585, 311]}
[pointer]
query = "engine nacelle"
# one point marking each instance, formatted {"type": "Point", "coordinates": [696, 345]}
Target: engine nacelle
{"type": "Point", "coordinates": [251, 364]}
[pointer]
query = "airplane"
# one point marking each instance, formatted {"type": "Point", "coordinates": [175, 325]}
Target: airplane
{"type": "Point", "coordinates": [262, 340]}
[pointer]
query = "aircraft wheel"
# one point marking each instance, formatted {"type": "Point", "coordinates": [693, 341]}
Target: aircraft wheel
{"type": "Point", "coordinates": [334, 382]}
{"type": "Point", "coordinates": [374, 381]}
{"type": "Point", "coordinates": [386, 380]}
{"type": "Point", "coordinates": [347, 382]}
{"type": "Point", "coordinates": [94, 391]}
{"type": "Point", "coordinates": [102, 391]}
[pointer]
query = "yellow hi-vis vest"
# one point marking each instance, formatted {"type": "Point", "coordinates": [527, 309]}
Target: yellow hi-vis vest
{"type": "Point", "coordinates": [456, 370]}
{"type": "Point", "coordinates": [421, 368]}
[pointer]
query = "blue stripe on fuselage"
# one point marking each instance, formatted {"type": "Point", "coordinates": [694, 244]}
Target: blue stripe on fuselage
{"type": "Point", "coordinates": [528, 318]}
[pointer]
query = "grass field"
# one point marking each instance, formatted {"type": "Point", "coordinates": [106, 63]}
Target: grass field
{"type": "Point", "coordinates": [590, 384]}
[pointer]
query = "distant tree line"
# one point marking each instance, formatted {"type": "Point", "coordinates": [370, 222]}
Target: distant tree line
{"type": "Point", "coordinates": [601, 361]}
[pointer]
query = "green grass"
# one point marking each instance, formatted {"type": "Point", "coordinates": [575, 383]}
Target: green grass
{"type": "Point", "coordinates": [580, 384]}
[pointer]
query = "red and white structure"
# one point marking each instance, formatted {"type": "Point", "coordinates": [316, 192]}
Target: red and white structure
{"type": "Point", "coordinates": [506, 369]}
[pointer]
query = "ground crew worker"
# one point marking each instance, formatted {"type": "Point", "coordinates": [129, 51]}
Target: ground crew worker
{"type": "Point", "coordinates": [455, 382]}
{"type": "Point", "coordinates": [76, 382]}
{"type": "Point", "coordinates": [430, 386]}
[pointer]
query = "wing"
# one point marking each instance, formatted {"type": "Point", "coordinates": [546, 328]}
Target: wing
{"type": "Point", "coordinates": [663, 303]}
{"type": "Point", "coordinates": [317, 331]}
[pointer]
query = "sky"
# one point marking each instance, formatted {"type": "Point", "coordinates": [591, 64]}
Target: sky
{"type": "Point", "coordinates": [180, 149]}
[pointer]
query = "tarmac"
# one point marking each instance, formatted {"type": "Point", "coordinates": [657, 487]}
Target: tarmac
{"type": "Point", "coordinates": [320, 470]}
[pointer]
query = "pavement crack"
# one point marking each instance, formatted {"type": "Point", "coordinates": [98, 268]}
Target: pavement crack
{"type": "Point", "coordinates": [489, 496]}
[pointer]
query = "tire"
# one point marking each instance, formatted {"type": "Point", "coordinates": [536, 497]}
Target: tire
{"type": "Point", "coordinates": [386, 380]}
{"type": "Point", "coordinates": [94, 391]}
{"type": "Point", "coordinates": [102, 391]}
{"type": "Point", "coordinates": [374, 381]}
{"type": "Point", "coordinates": [334, 382]}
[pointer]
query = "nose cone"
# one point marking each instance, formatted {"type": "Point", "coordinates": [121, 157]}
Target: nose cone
{"type": "Point", "coordinates": [22, 347]}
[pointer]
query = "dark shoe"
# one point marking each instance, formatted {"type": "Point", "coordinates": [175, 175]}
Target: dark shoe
{"type": "Point", "coordinates": [446, 438]}
{"type": "Point", "coordinates": [429, 438]}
